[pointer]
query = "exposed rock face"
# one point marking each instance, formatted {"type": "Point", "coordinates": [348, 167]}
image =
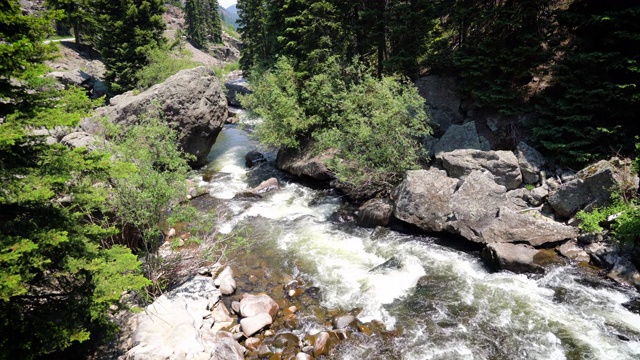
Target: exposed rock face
{"type": "Point", "coordinates": [625, 273]}
{"type": "Point", "coordinates": [592, 187]}
{"type": "Point", "coordinates": [192, 101]}
{"type": "Point", "coordinates": [375, 212]}
{"type": "Point", "coordinates": [171, 327]}
{"type": "Point", "coordinates": [531, 162]}
{"type": "Point", "coordinates": [479, 209]}
{"type": "Point", "coordinates": [503, 165]}
{"type": "Point", "coordinates": [572, 251]}
{"type": "Point", "coordinates": [422, 199]}
{"type": "Point", "coordinates": [300, 162]}
{"type": "Point", "coordinates": [518, 258]}
{"type": "Point", "coordinates": [78, 139]}
{"type": "Point", "coordinates": [463, 136]}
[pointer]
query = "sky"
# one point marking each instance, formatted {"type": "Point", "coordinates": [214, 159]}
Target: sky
{"type": "Point", "coordinates": [226, 3]}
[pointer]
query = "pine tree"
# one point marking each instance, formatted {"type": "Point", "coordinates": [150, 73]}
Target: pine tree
{"type": "Point", "coordinates": [56, 281]}
{"type": "Point", "coordinates": [76, 13]}
{"type": "Point", "coordinates": [127, 31]}
{"type": "Point", "coordinates": [252, 27]}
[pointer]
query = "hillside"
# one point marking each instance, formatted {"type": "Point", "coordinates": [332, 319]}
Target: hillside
{"type": "Point", "coordinates": [230, 15]}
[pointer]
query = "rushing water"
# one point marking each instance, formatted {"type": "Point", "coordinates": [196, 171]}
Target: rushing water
{"type": "Point", "coordinates": [446, 304]}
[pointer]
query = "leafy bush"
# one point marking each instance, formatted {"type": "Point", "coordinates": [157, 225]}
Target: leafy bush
{"type": "Point", "coordinates": [625, 227]}
{"type": "Point", "coordinates": [162, 64]}
{"type": "Point", "coordinates": [373, 126]}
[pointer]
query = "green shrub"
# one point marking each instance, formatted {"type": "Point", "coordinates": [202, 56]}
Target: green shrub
{"type": "Point", "coordinates": [162, 64]}
{"type": "Point", "coordinates": [226, 68]}
{"type": "Point", "coordinates": [625, 228]}
{"type": "Point", "coordinates": [373, 126]}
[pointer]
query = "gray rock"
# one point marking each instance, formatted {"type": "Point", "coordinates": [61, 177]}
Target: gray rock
{"type": "Point", "coordinates": [343, 322]}
{"type": "Point", "coordinates": [172, 326]}
{"type": "Point", "coordinates": [301, 162]}
{"type": "Point", "coordinates": [251, 305]}
{"type": "Point", "coordinates": [593, 187]}
{"type": "Point", "coordinates": [503, 165]}
{"type": "Point", "coordinates": [79, 139]}
{"type": "Point", "coordinates": [625, 273]}
{"type": "Point", "coordinates": [518, 258]}
{"type": "Point", "coordinates": [392, 264]}
{"type": "Point", "coordinates": [226, 348]}
{"type": "Point", "coordinates": [227, 282]}
{"type": "Point", "coordinates": [538, 195]}
{"type": "Point", "coordinates": [423, 199]}
{"type": "Point", "coordinates": [572, 251]}
{"type": "Point", "coordinates": [519, 198]}
{"type": "Point", "coordinates": [235, 87]}
{"type": "Point", "coordinates": [529, 227]}
{"type": "Point", "coordinates": [303, 356]}
{"type": "Point", "coordinates": [440, 94]}
{"type": "Point", "coordinates": [375, 212]}
{"type": "Point", "coordinates": [531, 162]}
{"type": "Point", "coordinates": [192, 102]}
{"type": "Point", "coordinates": [252, 324]}
{"type": "Point", "coordinates": [463, 136]}
{"type": "Point", "coordinates": [476, 204]}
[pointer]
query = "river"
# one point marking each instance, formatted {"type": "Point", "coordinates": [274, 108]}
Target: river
{"type": "Point", "coordinates": [444, 301]}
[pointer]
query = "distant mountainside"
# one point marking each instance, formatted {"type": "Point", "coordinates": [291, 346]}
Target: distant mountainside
{"type": "Point", "coordinates": [230, 15]}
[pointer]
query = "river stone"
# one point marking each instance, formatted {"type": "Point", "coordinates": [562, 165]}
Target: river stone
{"type": "Point", "coordinates": [171, 327]}
{"type": "Point", "coordinates": [423, 199]}
{"type": "Point", "coordinates": [343, 322]}
{"type": "Point", "coordinates": [531, 162]}
{"type": "Point", "coordinates": [593, 186]}
{"type": "Point", "coordinates": [503, 165]}
{"type": "Point", "coordinates": [625, 273]}
{"type": "Point", "coordinates": [252, 324]}
{"type": "Point", "coordinates": [226, 348]}
{"type": "Point", "coordinates": [253, 343]}
{"type": "Point", "coordinates": [530, 227]}
{"type": "Point", "coordinates": [254, 158]}
{"type": "Point", "coordinates": [227, 282]}
{"type": "Point", "coordinates": [191, 101]}
{"type": "Point", "coordinates": [302, 163]}
{"type": "Point", "coordinates": [463, 136]}
{"type": "Point", "coordinates": [321, 344]}
{"type": "Point", "coordinates": [303, 356]}
{"type": "Point", "coordinates": [518, 258]}
{"type": "Point", "coordinates": [375, 212]}
{"type": "Point", "coordinates": [572, 251]}
{"type": "Point", "coordinates": [392, 264]}
{"type": "Point", "coordinates": [251, 305]}
{"type": "Point", "coordinates": [538, 195]}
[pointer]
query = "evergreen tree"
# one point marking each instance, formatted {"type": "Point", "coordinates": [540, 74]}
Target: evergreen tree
{"type": "Point", "coordinates": [203, 22]}
{"type": "Point", "coordinates": [252, 28]}
{"type": "Point", "coordinates": [76, 13]}
{"type": "Point", "coordinates": [127, 31]}
{"type": "Point", "coordinates": [590, 110]}
{"type": "Point", "coordinates": [56, 281]}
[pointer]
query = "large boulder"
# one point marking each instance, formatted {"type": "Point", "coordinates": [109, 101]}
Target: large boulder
{"type": "Point", "coordinates": [423, 199]}
{"type": "Point", "coordinates": [192, 102]}
{"type": "Point", "coordinates": [518, 258]}
{"type": "Point", "coordinates": [79, 139]}
{"type": "Point", "coordinates": [375, 212]}
{"type": "Point", "coordinates": [172, 326]}
{"type": "Point", "coordinates": [476, 208]}
{"type": "Point", "coordinates": [531, 162]}
{"type": "Point", "coordinates": [503, 165]}
{"type": "Point", "coordinates": [252, 324]}
{"type": "Point", "coordinates": [440, 93]}
{"type": "Point", "coordinates": [226, 281]}
{"type": "Point", "coordinates": [476, 204]}
{"type": "Point", "coordinates": [302, 162]}
{"type": "Point", "coordinates": [511, 226]}
{"type": "Point", "coordinates": [592, 187]}
{"type": "Point", "coordinates": [463, 136]}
